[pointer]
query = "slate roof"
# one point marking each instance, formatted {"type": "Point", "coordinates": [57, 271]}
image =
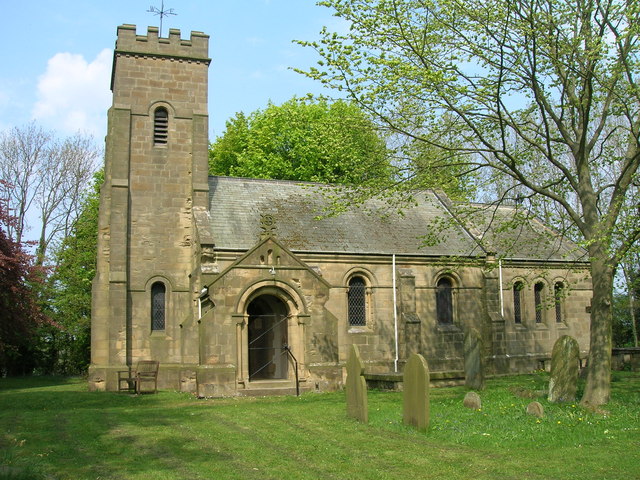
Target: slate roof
{"type": "Point", "coordinates": [513, 232]}
{"type": "Point", "coordinates": [299, 211]}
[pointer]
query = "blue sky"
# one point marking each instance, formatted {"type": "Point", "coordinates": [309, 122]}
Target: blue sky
{"type": "Point", "coordinates": [57, 55]}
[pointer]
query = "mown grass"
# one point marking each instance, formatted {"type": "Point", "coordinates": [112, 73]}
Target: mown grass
{"type": "Point", "coordinates": [56, 429]}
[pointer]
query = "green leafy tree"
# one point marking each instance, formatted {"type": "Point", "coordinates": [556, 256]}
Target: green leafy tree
{"type": "Point", "coordinates": [630, 269]}
{"type": "Point", "coordinates": [302, 139]}
{"type": "Point", "coordinates": [545, 93]}
{"type": "Point", "coordinates": [622, 324]}
{"type": "Point", "coordinates": [66, 350]}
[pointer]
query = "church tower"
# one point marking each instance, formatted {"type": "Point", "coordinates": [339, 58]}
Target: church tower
{"type": "Point", "coordinates": [155, 182]}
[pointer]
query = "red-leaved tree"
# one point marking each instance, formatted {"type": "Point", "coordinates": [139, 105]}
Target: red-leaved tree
{"type": "Point", "coordinates": [19, 311]}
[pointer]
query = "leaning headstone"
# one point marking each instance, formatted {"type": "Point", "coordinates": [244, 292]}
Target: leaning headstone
{"type": "Point", "coordinates": [536, 409]}
{"type": "Point", "coordinates": [565, 359]}
{"type": "Point", "coordinates": [472, 400]}
{"type": "Point", "coordinates": [473, 371]}
{"type": "Point", "coordinates": [415, 407]}
{"type": "Point", "coordinates": [356, 387]}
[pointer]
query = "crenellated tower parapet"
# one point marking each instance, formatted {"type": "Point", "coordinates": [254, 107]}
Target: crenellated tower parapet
{"type": "Point", "coordinates": [196, 48]}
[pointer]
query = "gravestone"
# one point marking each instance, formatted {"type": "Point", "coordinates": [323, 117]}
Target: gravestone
{"type": "Point", "coordinates": [473, 371]}
{"type": "Point", "coordinates": [415, 407]}
{"type": "Point", "coordinates": [472, 400]}
{"type": "Point", "coordinates": [565, 362]}
{"type": "Point", "coordinates": [356, 387]}
{"type": "Point", "coordinates": [536, 409]}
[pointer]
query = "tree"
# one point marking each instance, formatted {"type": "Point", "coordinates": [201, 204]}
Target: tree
{"type": "Point", "coordinates": [67, 348]}
{"type": "Point", "coordinates": [48, 175]}
{"type": "Point", "coordinates": [630, 267]}
{"type": "Point", "coordinates": [318, 141]}
{"type": "Point", "coordinates": [545, 93]}
{"type": "Point", "coordinates": [19, 311]}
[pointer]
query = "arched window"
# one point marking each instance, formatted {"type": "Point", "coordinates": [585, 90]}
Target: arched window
{"type": "Point", "coordinates": [158, 291]}
{"type": "Point", "coordinates": [558, 293]}
{"type": "Point", "coordinates": [444, 301]}
{"type": "Point", "coordinates": [517, 301]}
{"type": "Point", "coordinates": [537, 300]}
{"type": "Point", "coordinates": [357, 301]}
{"type": "Point", "coordinates": [160, 126]}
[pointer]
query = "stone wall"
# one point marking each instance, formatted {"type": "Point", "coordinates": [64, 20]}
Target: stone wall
{"type": "Point", "coordinates": [625, 359]}
{"type": "Point", "coordinates": [509, 348]}
{"type": "Point", "coordinates": [146, 226]}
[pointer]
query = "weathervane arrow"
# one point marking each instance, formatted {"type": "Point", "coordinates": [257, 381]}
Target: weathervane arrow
{"type": "Point", "coordinates": [162, 13]}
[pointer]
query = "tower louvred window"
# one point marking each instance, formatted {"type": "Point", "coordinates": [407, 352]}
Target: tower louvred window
{"type": "Point", "coordinates": [160, 126]}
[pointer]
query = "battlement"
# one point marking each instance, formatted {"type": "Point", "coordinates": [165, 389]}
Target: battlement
{"type": "Point", "coordinates": [128, 42]}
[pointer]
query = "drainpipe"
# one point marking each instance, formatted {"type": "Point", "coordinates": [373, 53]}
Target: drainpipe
{"type": "Point", "coordinates": [203, 294]}
{"type": "Point", "coordinates": [500, 287]}
{"type": "Point", "coordinates": [395, 312]}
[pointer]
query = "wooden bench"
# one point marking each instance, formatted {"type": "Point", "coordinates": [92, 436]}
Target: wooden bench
{"type": "Point", "coordinates": [146, 372]}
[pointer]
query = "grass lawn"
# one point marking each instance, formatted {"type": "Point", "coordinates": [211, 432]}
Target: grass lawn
{"type": "Point", "coordinates": [56, 429]}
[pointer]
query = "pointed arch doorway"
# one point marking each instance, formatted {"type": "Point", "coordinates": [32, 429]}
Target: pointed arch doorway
{"type": "Point", "coordinates": [267, 332]}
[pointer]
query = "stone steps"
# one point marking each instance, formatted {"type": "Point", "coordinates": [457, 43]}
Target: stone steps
{"type": "Point", "coordinates": [263, 388]}
{"type": "Point", "coordinates": [393, 381]}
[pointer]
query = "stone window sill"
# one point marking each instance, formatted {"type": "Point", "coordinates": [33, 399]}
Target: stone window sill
{"type": "Point", "coordinates": [448, 328]}
{"type": "Point", "coordinates": [359, 329]}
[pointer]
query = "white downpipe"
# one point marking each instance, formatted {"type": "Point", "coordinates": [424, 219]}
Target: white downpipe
{"type": "Point", "coordinates": [204, 292]}
{"type": "Point", "coordinates": [395, 312]}
{"type": "Point", "coordinates": [500, 286]}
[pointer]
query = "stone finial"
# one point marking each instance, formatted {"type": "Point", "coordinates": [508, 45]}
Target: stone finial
{"type": "Point", "coordinates": [415, 407]}
{"type": "Point", "coordinates": [565, 362]}
{"type": "Point", "coordinates": [473, 367]}
{"type": "Point", "coordinates": [356, 387]}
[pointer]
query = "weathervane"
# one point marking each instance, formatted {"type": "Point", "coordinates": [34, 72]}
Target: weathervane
{"type": "Point", "coordinates": [162, 13]}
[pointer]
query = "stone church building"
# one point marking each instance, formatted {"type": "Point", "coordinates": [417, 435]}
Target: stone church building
{"type": "Point", "coordinates": [241, 286]}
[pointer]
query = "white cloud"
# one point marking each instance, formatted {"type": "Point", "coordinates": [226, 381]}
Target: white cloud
{"type": "Point", "coordinates": [73, 95]}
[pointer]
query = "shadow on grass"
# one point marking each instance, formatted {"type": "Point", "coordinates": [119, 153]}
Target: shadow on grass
{"type": "Point", "coordinates": [65, 431]}
{"type": "Point", "coordinates": [54, 428]}
{"type": "Point", "coordinates": [27, 382]}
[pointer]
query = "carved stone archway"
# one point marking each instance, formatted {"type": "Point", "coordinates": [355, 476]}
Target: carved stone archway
{"type": "Point", "coordinates": [268, 319]}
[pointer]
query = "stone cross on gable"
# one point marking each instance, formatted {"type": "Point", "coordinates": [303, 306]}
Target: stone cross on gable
{"type": "Point", "coordinates": [267, 225]}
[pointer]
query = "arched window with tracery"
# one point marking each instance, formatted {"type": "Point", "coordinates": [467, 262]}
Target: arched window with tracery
{"type": "Point", "coordinates": [444, 301]}
{"type": "Point", "coordinates": [160, 126]}
{"type": "Point", "coordinates": [158, 306]}
{"type": "Point", "coordinates": [558, 293]}
{"type": "Point", "coordinates": [538, 290]}
{"type": "Point", "coordinates": [357, 301]}
{"type": "Point", "coordinates": [517, 301]}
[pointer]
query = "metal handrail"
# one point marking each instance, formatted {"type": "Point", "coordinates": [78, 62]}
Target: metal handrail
{"type": "Point", "coordinates": [286, 348]}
